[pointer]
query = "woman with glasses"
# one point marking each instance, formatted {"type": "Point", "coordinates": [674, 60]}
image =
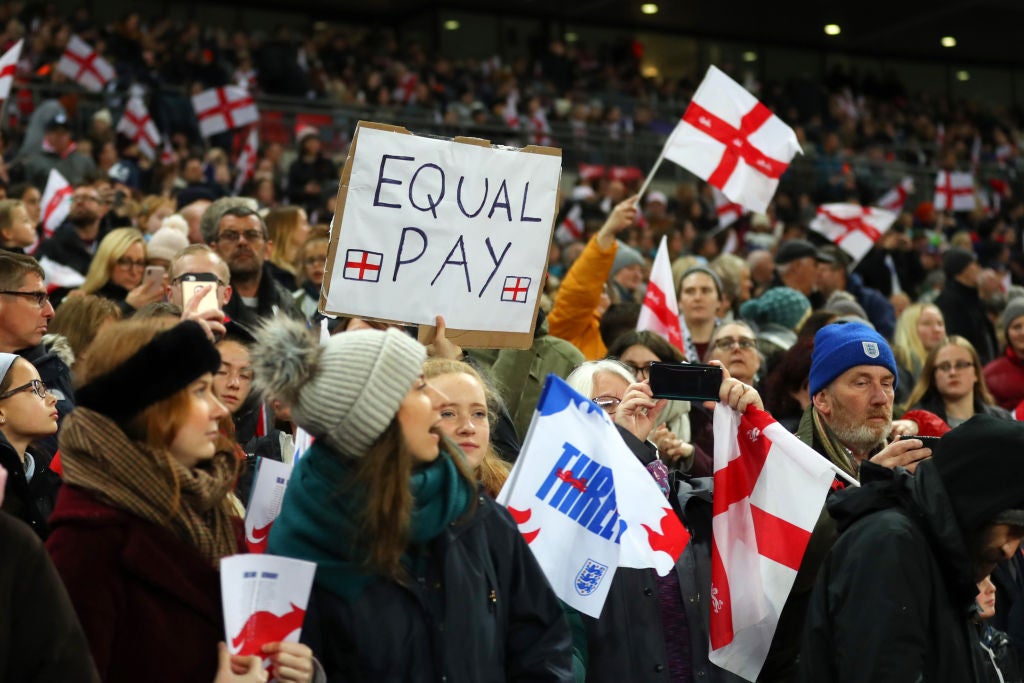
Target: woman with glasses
{"type": "Point", "coordinates": [145, 514]}
{"type": "Point", "coordinates": [952, 386]}
{"type": "Point", "coordinates": [117, 269]}
{"type": "Point", "coordinates": [309, 277]}
{"type": "Point", "coordinates": [27, 413]}
{"type": "Point", "coordinates": [735, 345]}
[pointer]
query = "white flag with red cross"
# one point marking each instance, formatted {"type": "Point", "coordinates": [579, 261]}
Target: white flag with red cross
{"type": "Point", "coordinates": [84, 65]}
{"type": "Point", "coordinates": [584, 503]}
{"type": "Point", "coordinates": [223, 109]}
{"type": "Point", "coordinates": [954, 191]}
{"type": "Point", "coordinates": [660, 312]}
{"type": "Point", "coordinates": [137, 125]}
{"type": "Point", "coordinates": [8, 65]}
{"type": "Point", "coordinates": [894, 199]}
{"type": "Point", "coordinates": [56, 202]}
{"type": "Point", "coordinates": [247, 159]}
{"type": "Point", "coordinates": [571, 227]}
{"type": "Point", "coordinates": [731, 140]}
{"type": "Point", "coordinates": [852, 227]}
{"type": "Point", "coordinates": [769, 491]}
{"type": "Point", "coordinates": [728, 212]}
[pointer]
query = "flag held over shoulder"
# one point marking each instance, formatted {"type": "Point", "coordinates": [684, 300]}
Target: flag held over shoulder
{"type": "Point", "coordinates": [769, 491]}
{"type": "Point", "coordinates": [731, 140]}
{"type": "Point", "coordinates": [584, 503]}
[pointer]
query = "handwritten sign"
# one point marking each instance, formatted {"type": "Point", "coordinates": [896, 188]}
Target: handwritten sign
{"type": "Point", "coordinates": [429, 227]}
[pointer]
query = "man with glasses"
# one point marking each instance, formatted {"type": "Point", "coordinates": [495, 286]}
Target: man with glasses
{"type": "Point", "coordinates": [74, 243]}
{"type": "Point", "coordinates": [199, 259]}
{"type": "Point", "coordinates": [25, 313]}
{"type": "Point", "coordinates": [234, 229]}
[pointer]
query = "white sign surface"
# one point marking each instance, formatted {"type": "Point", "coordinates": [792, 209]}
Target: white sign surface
{"type": "Point", "coordinates": [437, 227]}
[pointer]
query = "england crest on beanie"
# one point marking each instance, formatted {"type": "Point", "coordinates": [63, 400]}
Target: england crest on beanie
{"type": "Point", "coordinates": [841, 346]}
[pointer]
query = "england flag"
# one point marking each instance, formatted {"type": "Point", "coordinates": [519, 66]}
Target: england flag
{"type": "Point", "coordinates": [8, 66]}
{"type": "Point", "coordinates": [83, 65]}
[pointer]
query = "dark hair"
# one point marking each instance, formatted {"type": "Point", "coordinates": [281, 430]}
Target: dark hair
{"type": "Point", "coordinates": [14, 267]}
{"type": "Point", "coordinates": [79, 318]}
{"type": "Point", "coordinates": [657, 345]}
{"type": "Point", "coordinates": [617, 319]}
{"type": "Point", "coordinates": [792, 370]}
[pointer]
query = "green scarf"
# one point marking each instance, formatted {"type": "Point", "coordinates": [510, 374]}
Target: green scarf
{"type": "Point", "coordinates": [320, 515]}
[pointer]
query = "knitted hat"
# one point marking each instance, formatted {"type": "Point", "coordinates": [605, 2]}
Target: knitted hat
{"type": "Point", "coordinates": [841, 346]}
{"type": "Point", "coordinates": [345, 392]}
{"type": "Point", "coordinates": [165, 243]}
{"type": "Point", "coordinates": [163, 367]}
{"type": "Point", "coordinates": [956, 260]}
{"type": "Point", "coordinates": [981, 465]}
{"type": "Point", "coordinates": [625, 256]}
{"type": "Point", "coordinates": [780, 305]}
{"type": "Point", "coordinates": [6, 361]}
{"type": "Point", "coordinates": [707, 271]}
{"type": "Point", "coordinates": [1014, 309]}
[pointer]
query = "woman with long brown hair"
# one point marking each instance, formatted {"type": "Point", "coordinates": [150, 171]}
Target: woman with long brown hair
{"type": "Point", "coordinates": [145, 514]}
{"type": "Point", "coordinates": [287, 229]}
{"type": "Point", "coordinates": [419, 577]}
{"type": "Point", "coordinates": [952, 384]}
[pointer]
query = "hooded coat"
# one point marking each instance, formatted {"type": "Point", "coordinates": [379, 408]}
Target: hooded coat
{"type": "Point", "coordinates": [894, 600]}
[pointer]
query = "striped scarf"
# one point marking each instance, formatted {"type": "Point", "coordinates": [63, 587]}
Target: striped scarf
{"type": "Point", "coordinates": [193, 504]}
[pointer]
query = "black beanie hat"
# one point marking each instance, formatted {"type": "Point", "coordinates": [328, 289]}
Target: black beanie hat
{"type": "Point", "coordinates": [163, 367]}
{"type": "Point", "coordinates": [956, 260]}
{"type": "Point", "coordinates": [981, 463]}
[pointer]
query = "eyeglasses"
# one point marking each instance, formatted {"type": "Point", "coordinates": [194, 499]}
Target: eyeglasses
{"type": "Point", "coordinates": [608, 403]}
{"type": "Point", "coordinates": [35, 385]}
{"type": "Point", "coordinates": [78, 198]}
{"type": "Point", "coordinates": [726, 343]}
{"type": "Point", "coordinates": [641, 372]}
{"type": "Point", "coordinates": [230, 236]}
{"type": "Point", "coordinates": [128, 264]}
{"type": "Point", "coordinates": [39, 297]}
{"type": "Point", "coordinates": [959, 365]}
{"type": "Point", "coordinates": [177, 280]}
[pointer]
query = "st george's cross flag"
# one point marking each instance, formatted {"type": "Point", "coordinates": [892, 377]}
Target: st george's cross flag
{"type": "Point", "coordinates": [584, 503]}
{"type": "Point", "coordinates": [222, 109]}
{"type": "Point", "coordinates": [8, 65]}
{"type": "Point", "coordinates": [954, 191]}
{"type": "Point", "coordinates": [852, 227]}
{"type": "Point", "coordinates": [247, 159]}
{"type": "Point", "coordinates": [56, 202]}
{"type": "Point", "coordinates": [137, 125]}
{"type": "Point", "coordinates": [731, 140]}
{"type": "Point", "coordinates": [83, 65]}
{"type": "Point", "coordinates": [660, 311]}
{"type": "Point", "coordinates": [769, 491]}
{"type": "Point", "coordinates": [571, 227]}
{"type": "Point", "coordinates": [728, 212]}
{"type": "Point", "coordinates": [894, 199]}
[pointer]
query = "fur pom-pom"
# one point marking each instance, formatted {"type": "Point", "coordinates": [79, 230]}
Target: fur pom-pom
{"type": "Point", "coordinates": [283, 359]}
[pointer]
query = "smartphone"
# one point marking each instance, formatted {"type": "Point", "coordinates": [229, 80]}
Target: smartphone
{"type": "Point", "coordinates": [928, 441]}
{"type": "Point", "coordinates": [154, 277]}
{"type": "Point", "coordinates": [190, 282]}
{"type": "Point", "coordinates": [686, 382]}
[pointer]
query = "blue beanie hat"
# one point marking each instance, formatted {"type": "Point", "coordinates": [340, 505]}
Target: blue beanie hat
{"type": "Point", "coordinates": [841, 346]}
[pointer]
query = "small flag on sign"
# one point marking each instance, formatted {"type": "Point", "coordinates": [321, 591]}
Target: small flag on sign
{"type": "Point", "coordinates": [516, 289]}
{"type": "Point", "coordinates": [363, 265]}
{"type": "Point", "coordinates": [731, 140]}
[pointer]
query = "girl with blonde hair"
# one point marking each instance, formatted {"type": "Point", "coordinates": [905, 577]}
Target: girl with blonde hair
{"type": "Point", "coordinates": [287, 229]}
{"type": "Point", "coordinates": [116, 272]}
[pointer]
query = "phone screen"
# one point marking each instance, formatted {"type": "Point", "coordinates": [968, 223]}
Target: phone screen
{"type": "Point", "coordinates": [190, 282]}
{"type": "Point", "coordinates": [686, 382]}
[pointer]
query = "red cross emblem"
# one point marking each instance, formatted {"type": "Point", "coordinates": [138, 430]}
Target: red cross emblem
{"type": "Point", "coordinates": [852, 224]}
{"type": "Point", "coordinates": [516, 289]}
{"type": "Point", "coordinates": [737, 142]}
{"type": "Point", "coordinates": [224, 107]}
{"type": "Point", "coordinates": [950, 192]}
{"type": "Point", "coordinates": [362, 265]}
{"type": "Point", "coordinates": [140, 121]}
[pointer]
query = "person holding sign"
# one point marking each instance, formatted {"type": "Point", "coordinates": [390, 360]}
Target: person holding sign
{"type": "Point", "coordinates": [419, 576]}
{"type": "Point", "coordinates": [144, 516]}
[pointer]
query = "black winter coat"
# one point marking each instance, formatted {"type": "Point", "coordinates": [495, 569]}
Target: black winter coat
{"type": "Point", "coordinates": [271, 299]}
{"type": "Point", "coordinates": [482, 613]}
{"type": "Point", "coordinates": [30, 501]}
{"type": "Point", "coordinates": [962, 311]}
{"type": "Point", "coordinates": [56, 375]}
{"type": "Point", "coordinates": [894, 600]}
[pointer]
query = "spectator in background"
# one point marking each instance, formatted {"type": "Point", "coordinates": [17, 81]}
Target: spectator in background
{"type": "Point", "coordinates": [17, 231]}
{"type": "Point", "coordinates": [58, 151]}
{"type": "Point", "coordinates": [919, 330]}
{"type": "Point", "coordinates": [78, 320]}
{"type": "Point", "coordinates": [309, 276]}
{"type": "Point", "coordinates": [952, 386]}
{"type": "Point", "coordinates": [961, 306]}
{"type": "Point", "coordinates": [796, 266]}
{"type": "Point", "coordinates": [74, 243]}
{"type": "Point", "coordinates": [287, 230]}
{"type": "Point", "coordinates": [311, 176]}
{"type": "Point", "coordinates": [117, 270]}
{"type": "Point", "coordinates": [1005, 375]}
{"type": "Point", "coordinates": [834, 276]}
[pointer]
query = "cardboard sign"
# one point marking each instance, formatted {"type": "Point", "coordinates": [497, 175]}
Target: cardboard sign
{"type": "Point", "coordinates": [457, 228]}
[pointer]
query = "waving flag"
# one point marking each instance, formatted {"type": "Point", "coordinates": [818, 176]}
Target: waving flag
{"type": "Point", "coordinates": [894, 199]}
{"type": "Point", "coordinates": [584, 502]}
{"type": "Point", "coordinates": [83, 65]}
{"type": "Point", "coordinates": [954, 191]}
{"type": "Point", "coordinates": [224, 109]}
{"type": "Point", "coordinates": [852, 227]}
{"type": "Point", "coordinates": [8, 65]}
{"type": "Point", "coordinates": [56, 202]}
{"type": "Point", "coordinates": [660, 312]}
{"type": "Point", "coordinates": [571, 227]}
{"type": "Point", "coordinates": [734, 142]}
{"type": "Point", "coordinates": [138, 126]}
{"type": "Point", "coordinates": [247, 159]}
{"type": "Point", "coordinates": [769, 491]}
{"type": "Point", "coordinates": [728, 212]}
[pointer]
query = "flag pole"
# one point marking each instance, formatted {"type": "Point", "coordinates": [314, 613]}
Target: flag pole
{"type": "Point", "coordinates": [650, 176]}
